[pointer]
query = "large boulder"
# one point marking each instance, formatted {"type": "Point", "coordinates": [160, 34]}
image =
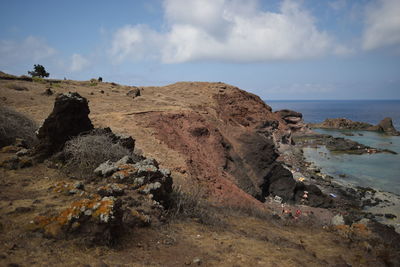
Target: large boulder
{"type": "Point", "coordinates": [69, 118]}
{"type": "Point", "coordinates": [95, 220]}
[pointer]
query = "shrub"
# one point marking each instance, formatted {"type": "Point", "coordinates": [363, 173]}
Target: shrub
{"type": "Point", "coordinates": [93, 82]}
{"type": "Point", "coordinates": [85, 153]}
{"type": "Point", "coordinates": [191, 204]}
{"type": "Point", "coordinates": [16, 125]}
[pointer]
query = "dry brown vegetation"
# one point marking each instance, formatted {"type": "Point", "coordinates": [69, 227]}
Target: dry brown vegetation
{"type": "Point", "coordinates": [85, 153]}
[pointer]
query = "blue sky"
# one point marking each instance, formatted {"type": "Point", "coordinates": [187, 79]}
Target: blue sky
{"type": "Point", "coordinates": [290, 49]}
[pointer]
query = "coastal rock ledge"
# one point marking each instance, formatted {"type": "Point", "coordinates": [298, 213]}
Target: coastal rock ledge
{"type": "Point", "coordinates": [384, 126]}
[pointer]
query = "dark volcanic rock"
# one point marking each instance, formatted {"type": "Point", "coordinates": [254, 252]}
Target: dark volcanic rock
{"type": "Point", "coordinates": [69, 118]}
{"type": "Point", "coordinates": [293, 119]}
{"type": "Point", "coordinates": [386, 126]}
{"type": "Point", "coordinates": [279, 182]}
{"type": "Point", "coordinates": [285, 113]}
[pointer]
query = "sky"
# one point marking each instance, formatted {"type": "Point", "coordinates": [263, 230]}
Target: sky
{"type": "Point", "coordinates": [277, 49]}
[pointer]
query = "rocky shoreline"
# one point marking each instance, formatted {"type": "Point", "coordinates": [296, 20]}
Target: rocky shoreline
{"type": "Point", "coordinates": [384, 126]}
{"type": "Point", "coordinates": [352, 203]}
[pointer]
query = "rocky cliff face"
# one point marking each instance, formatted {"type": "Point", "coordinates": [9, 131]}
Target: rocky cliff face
{"type": "Point", "coordinates": [230, 144]}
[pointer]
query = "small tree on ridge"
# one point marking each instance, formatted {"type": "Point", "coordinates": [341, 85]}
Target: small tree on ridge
{"type": "Point", "coordinates": [38, 71]}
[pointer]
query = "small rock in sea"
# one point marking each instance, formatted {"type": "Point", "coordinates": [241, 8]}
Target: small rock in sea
{"type": "Point", "coordinates": [342, 175]}
{"type": "Point", "coordinates": [390, 216]}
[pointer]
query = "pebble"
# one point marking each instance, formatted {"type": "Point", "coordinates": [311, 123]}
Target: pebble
{"type": "Point", "coordinates": [197, 261]}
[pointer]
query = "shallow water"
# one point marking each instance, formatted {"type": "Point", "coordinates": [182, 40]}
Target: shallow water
{"type": "Point", "coordinates": [380, 171]}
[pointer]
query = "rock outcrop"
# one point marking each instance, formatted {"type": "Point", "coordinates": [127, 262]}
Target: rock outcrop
{"type": "Point", "coordinates": [384, 126]}
{"type": "Point", "coordinates": [230, 145]}
{"type": "Point", "coordinates": [342, 124]}
{"type": "Point", "coordinates": [131, 194]}
{"type": "Point", "coordinates": [69, 118]}
{"type": "Point", "coordinates": [293, 119]}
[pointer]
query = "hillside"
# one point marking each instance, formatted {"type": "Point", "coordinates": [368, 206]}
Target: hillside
{"type": "Point", "coordinates": [214, 138]}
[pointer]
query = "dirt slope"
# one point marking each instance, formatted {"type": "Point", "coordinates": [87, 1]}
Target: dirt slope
{"type": "Point", "coordinates": [200, 131]}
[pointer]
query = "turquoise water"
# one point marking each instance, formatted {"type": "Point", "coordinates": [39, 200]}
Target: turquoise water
{"type": "Point", "coordinates": [381, 171]}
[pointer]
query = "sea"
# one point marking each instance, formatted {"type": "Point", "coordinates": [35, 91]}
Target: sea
{"type": "Point", "coordinates": [380, 171]}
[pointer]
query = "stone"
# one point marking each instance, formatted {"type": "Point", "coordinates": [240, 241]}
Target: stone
{"type": "Point", "coordinates": [197, 261]}
{"type": "Point", "coordinates": [112, 189]}
{"type": "Point", "coordinates": [48, 92]}
{"type": "Point", "coordinates": [14, 162]}
{"type": "Point", "coordinates": [10, 149]}
{"type": "Point", "coordinates": [22, 152]}
{"type": "Point", "coordinates": [126, 141]}
{"type": "Point", "coordinates": [134, 92]}
{"type": "Point", "coordinates": [106, 169]}
{"type": "Point", "coordinates": [337, 220]}
{"type": "Point", "coordinates": [69, 118]}
{"type": "Point", "coordinates": [96, 221]}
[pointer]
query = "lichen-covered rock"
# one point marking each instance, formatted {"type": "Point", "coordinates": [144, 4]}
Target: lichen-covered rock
{"type": "Point", "coordinates": [96, 221]}
{"type": "Point", "coordinates": [112, 189]}
{"type": "Point", "coordinates": [69, 188]}
{"type": "Point", "coordinates": [106, 169]}
{"type": "Point", "coordinates": [144, 175]}
{"type": "Point", "coordinates": [133, 218]}
{"type": "Point", "coordinates": [69, 118]}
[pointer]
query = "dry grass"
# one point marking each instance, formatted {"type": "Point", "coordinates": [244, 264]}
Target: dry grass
{"type": "Point", "coordinates": [192, 204]}
{"type": "Point", "coordinates": [16, 125]}
{"type": "Point", "coordinates": [85, 153]}
{"type": "Point", "coordinates": [17, 87]}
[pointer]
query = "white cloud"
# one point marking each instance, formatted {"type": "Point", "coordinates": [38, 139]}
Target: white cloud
{"type": "Point", "coordinates": [31, 50]}
{"type": "Point", "coordinates": [135, 43]}
{"type": "Point", "coordinates": [78, 63]}
{"type": "Point", "coordinates": [338, 4]}
{"type": "Point", "coordinates": [382, 25]}
{"type": "Point", "coordinates": [224, 30]}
